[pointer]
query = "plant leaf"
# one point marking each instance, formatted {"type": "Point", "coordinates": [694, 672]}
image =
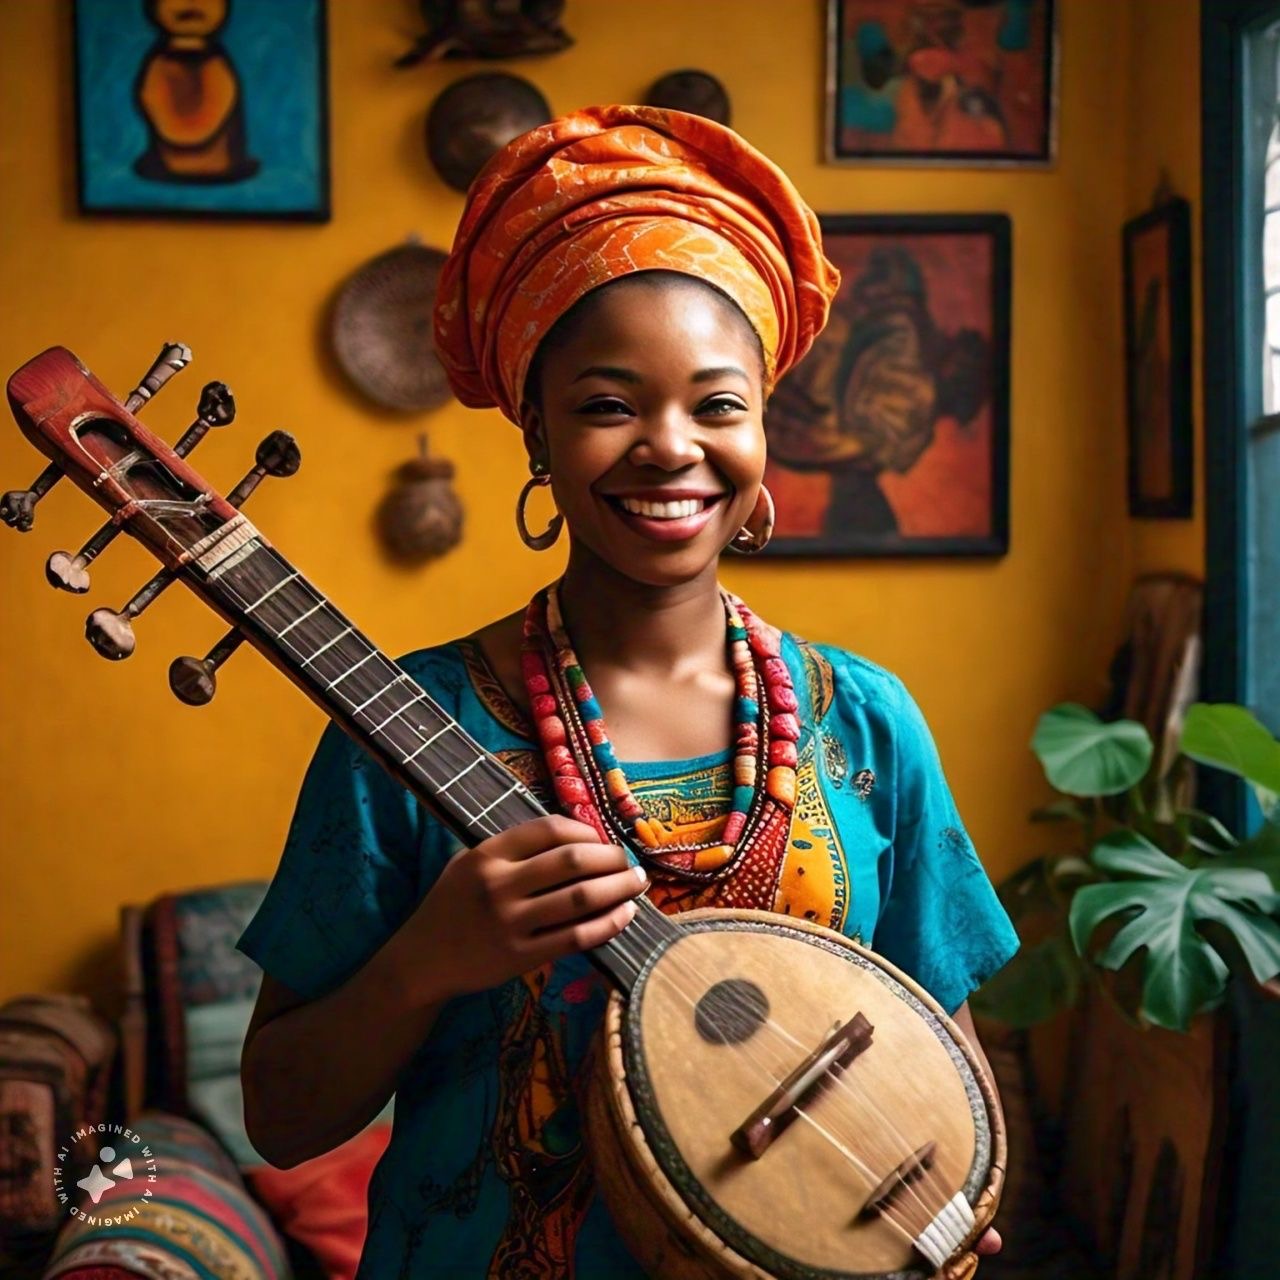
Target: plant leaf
{"type": "Point", "coordinates": [1199, 815]}
{"type": "Point", "coordinates": [1230, 737]}
{"type": "Point", "coordinates": [1083, 756]}
{"type": "Point", "coordinates": [1261, 852]}
{"type": "Point", "coordinates": [1181, 972]}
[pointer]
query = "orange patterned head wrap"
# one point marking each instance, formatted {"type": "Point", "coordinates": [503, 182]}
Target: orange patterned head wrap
{"type": "Point", "coordinates": [607, 191]}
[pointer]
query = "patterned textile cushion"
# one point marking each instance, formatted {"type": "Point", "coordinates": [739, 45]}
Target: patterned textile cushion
{"type": "Point", "coordinates": [191, 960]}
{"type": "Point", "coordinates": [175, 1140]}
{"type": "Point", "coordinates": [169, 1207]}
{"type": "Point", "coordinates": [215, 1036]}
{"type": "Point", "coordinates": [55, 1060]}
{"type": "Point", "coordinates": [204, 925]}
{"type": "Point", "coordinates": [99, 1273]}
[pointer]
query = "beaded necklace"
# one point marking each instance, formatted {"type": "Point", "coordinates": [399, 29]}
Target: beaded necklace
{"type": "Point", "coordinates": [591, 786]}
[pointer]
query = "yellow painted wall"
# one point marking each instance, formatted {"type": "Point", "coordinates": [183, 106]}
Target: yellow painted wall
{"type": "Point", "coordinates": [114, 793]}
{"type": "Point", "coordinates": [1164, 136]}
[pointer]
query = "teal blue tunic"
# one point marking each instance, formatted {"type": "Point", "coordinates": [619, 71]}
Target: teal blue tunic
{"type": "Point", "coordinates": [486, 1172]}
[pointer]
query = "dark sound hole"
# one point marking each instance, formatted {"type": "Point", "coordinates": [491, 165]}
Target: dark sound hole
{"type": "Point", "coordinates": [731, 1012]}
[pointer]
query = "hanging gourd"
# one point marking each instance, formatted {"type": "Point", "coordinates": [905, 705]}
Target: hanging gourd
{"type": "Point", "coordinates": [421, 516]}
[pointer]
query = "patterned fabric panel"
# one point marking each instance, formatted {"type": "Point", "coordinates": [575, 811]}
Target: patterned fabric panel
{"type": "Point", "coordinates": [54, 1058]}
{"type": "Point", "coordinates": [206, 924]}
{"type": "Point", "coordinates": [28, 1137]}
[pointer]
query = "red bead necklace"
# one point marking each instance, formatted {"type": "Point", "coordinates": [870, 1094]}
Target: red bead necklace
{"type": "Point", "coordinates": [590, 784]}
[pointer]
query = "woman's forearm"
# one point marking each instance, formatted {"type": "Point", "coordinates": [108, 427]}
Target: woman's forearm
{"type": "Point", "coordinates": [317, 1073]}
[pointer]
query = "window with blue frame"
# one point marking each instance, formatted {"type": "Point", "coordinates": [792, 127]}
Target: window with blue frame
{"type": "Point", "coordinates": [1260, 376]}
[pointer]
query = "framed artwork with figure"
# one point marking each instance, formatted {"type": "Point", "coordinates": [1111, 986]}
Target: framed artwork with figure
{"type": "Point", "coordinates": [941, 82]}
{"type": "Point", "coordinates": [202, 108]}
{"type": "Point", "coordinates": [891, 437]}
{"type": "Point", "coordinates": [1157, 331]}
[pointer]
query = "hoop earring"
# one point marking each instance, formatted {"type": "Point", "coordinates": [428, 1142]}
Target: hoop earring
{"type": "Point", "coordinates": [748, 541]}
{"type": "Point", "coordinates": [540, 541]}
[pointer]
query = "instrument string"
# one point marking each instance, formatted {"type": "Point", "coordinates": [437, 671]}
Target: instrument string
{"type": "Point", "coordinates": [849, 1081]}
{"type": "Point", "coordinates": [900, 1221]}
{"type": "Point", "coordinates": [487, 825]}
{"type": "Point", "coordinates": [683, 966]}
{"type": "Point", "coordinates": [577, 729]}
{"type": "Point", "coordinates": [632, 949]}
{"type": "Point", "coordinates": [846, 1081]}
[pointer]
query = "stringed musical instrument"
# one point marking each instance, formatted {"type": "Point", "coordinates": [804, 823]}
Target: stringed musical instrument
{"type": "Point", "coordinates": [768, 1098]}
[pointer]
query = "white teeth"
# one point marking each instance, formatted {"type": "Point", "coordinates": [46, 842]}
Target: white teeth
{"type": "Point", "coordinates": [663, 510]}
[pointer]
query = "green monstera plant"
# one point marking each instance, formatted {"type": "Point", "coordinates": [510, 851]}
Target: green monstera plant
{"type": "Point", "coordinates": [1159, 890]}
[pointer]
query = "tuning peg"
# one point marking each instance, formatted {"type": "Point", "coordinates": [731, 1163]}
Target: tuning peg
{"type": "Point", "coordinates": [217, 408]}
{"type": "Point", "coordinates": [173, 358]}
{"type": "Point", "coordinates": [193, 680]}
{"type": "Point", "coordinates": [278, 455]}
{"type": "Point", "coordinates": [111, 633]}
{"type": "Point", "coordinates": [69, 573]}
{"type": "Point", "coordinates": [18, 506]}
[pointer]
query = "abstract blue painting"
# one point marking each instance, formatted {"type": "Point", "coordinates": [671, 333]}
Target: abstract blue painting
{"type": "Point", "coordinates": [205, 108]}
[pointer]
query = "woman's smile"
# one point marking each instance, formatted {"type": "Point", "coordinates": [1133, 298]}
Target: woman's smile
{"type": "Point", "coordinates": [649, 415]}
{"type": "Point", "coordinates": [666, 515]}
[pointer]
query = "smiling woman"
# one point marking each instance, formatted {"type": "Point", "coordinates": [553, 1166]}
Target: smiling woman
{"type": "Point", "coordinates": [627, 285]}
{"type": "Point", "coordinates": [645, 404]}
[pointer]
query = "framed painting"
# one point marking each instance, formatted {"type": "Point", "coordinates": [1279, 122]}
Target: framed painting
{"type": "Point", "coordinates": [891, 436]}
{"type": "Point", "coordinates": [202, 108]}
{"type": "Point", "coordinates": [1157, 333]}
{"type": "Point", "coordinates": [941, 82]}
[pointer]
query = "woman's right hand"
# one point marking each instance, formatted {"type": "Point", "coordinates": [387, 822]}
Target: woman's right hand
{"type": "Point", "coordinates": [541, 890]}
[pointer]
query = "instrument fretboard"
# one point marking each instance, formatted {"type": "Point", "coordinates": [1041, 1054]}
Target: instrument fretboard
{"type": "Point", "coordinates": [391, 716]}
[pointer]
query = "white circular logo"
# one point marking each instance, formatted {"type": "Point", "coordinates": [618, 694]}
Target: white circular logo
{"type": "Point", "coordinates": [117, 1156]}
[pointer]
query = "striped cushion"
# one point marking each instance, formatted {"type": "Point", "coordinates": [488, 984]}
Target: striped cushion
{"type": "Point", "coordinates": [174, 1138]}
{"type": "Point", "coordinates": [196, 1223]}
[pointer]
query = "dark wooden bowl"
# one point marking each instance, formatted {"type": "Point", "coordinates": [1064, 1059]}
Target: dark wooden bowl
{"type": "Point", "coordinates": [697, 92]}
{"type": "Point", "coordinates": [476, 117]}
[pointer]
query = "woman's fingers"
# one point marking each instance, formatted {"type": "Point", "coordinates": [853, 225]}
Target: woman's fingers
{"type": "Point", "coordinates": [988, 1243]}
{"type": "Point", "coordinates": [583, 898]}
{"type": "Point", "coordinates": [538, 834]}
{"type": "Point", "coordinates": [582, 935]}
{"type": "Point", "coordinates": [563, 865]}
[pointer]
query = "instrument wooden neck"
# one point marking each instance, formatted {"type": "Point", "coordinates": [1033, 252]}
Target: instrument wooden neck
{"type": "Point", "coordinates": [389, 714]}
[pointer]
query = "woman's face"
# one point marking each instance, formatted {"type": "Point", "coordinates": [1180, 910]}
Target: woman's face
{"type": "Point", "coordinates": [652, 422]}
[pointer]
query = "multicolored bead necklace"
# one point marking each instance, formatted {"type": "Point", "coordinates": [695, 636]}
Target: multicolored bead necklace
{"type": "Point", "coordinates": [591, 787]}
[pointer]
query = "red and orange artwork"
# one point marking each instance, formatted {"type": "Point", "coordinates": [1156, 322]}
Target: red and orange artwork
{"type": "Point", "coordinates": [189, 93]}
{"type": "Point", "coordinates": [941, 80]}
{"type": "Point", "coordinates": [891, 436]}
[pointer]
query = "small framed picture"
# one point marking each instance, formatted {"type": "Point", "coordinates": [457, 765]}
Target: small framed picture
{"type": "Point", "coordinates": [891, 436]}
{"type": "Point", "coordinates": [202, 108]}
{"type": "Point", "coordinates": [1157, 334]}
{"type": "Point", "coordinates": [915, 82]}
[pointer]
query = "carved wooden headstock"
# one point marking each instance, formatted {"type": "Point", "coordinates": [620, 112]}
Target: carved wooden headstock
{"type": "Point", "coordinates": [145, 485]}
